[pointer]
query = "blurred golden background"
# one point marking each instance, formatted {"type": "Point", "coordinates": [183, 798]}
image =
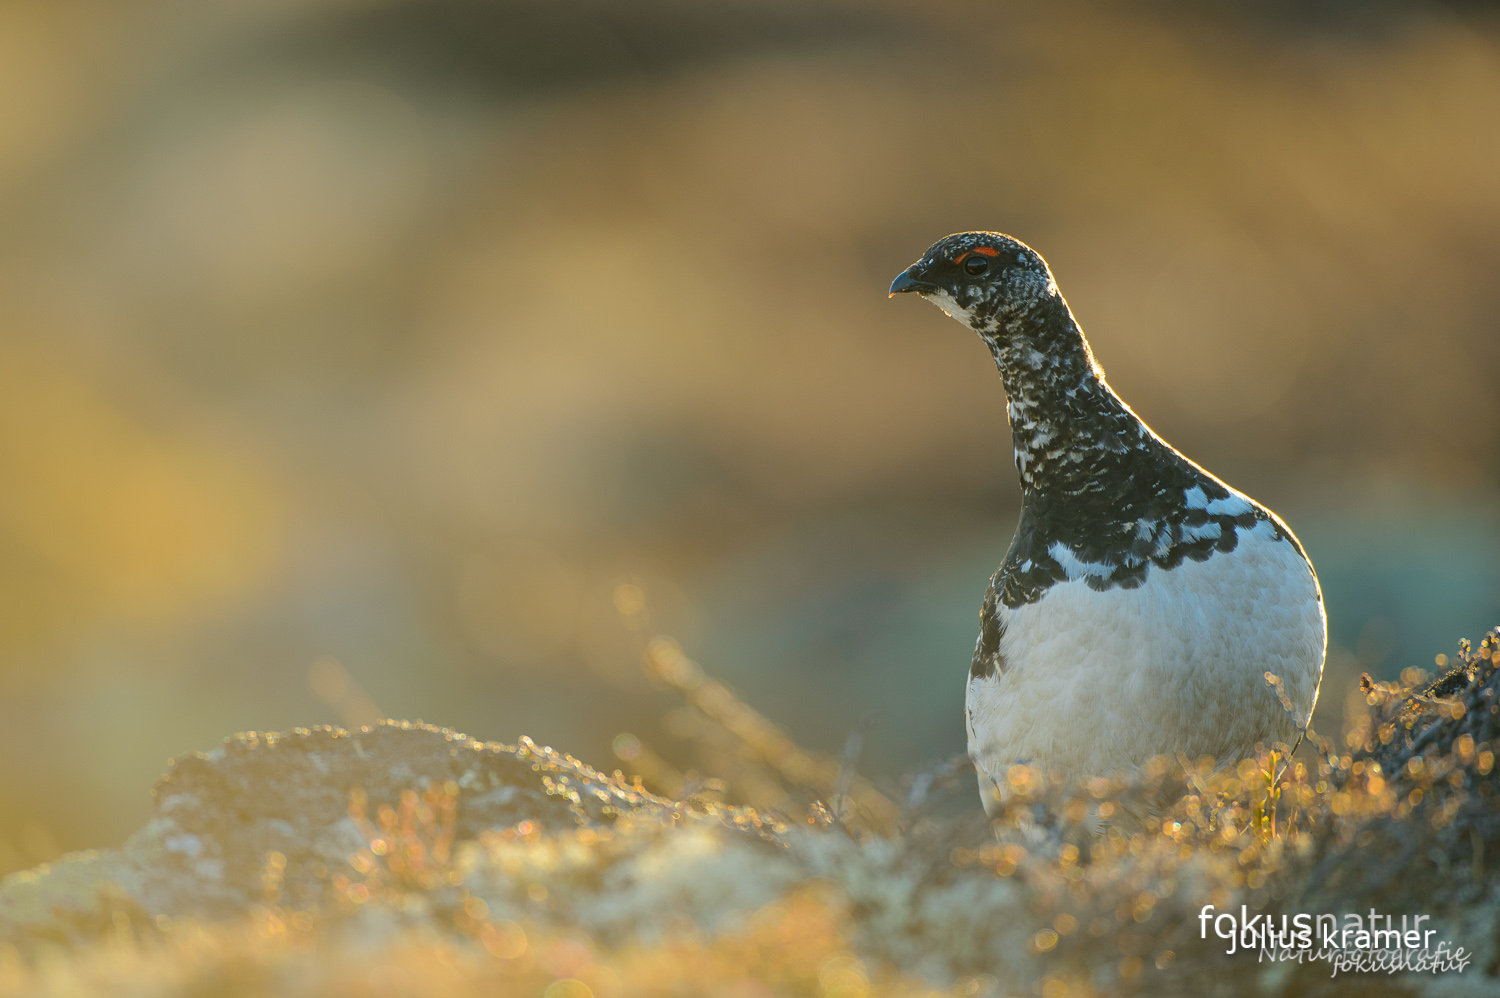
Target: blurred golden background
{"type": "Point", "coordinates": [354, 352]}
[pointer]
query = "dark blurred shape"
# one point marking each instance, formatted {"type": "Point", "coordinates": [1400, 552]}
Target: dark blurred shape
{"type": "Point", "coordinates": [1371, 18]}
{"type": "Point", "coordinates": [508, 48]}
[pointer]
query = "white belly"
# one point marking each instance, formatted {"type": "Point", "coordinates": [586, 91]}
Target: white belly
{"type": "Point", "coordinates": [1099, 682]}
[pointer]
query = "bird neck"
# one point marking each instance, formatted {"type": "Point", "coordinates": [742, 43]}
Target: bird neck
{"type": "Point", "coordinates": [1072, 433]}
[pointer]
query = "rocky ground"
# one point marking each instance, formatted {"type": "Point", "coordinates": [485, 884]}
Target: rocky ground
{"type": "Point", "coordinates": [408, 859]}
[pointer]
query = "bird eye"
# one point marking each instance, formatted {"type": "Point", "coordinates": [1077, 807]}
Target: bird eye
{"type": "Point", "coordinates": [976, 265]}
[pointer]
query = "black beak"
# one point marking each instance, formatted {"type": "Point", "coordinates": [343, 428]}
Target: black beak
{"type": "Point", "coordinates": [906, 281]}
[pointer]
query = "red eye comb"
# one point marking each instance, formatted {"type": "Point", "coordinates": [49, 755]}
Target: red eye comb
{"type": "Point", "coordinates": [981, 250]}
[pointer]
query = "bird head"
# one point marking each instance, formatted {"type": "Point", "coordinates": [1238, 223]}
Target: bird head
{"type": "Point", "coordinates": [979, 278]}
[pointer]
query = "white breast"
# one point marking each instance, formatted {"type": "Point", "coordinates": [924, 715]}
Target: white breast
{"type": "Point", "coordinates": [1099, 682]}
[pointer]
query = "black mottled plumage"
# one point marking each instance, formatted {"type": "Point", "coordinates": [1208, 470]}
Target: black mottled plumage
{"type": "Point", "coordinates": [1103, 497]}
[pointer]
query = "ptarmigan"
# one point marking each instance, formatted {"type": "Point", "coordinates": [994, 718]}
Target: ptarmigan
{"type": "Point", "coordinates": [1142, 600]}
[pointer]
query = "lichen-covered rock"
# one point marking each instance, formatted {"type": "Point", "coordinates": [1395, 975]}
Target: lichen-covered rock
{"type": "Point", "coordinates": [285, 799]}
